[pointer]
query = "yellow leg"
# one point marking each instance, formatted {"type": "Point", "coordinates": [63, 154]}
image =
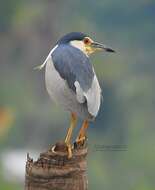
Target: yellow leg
{"type": "Point", "coordinates": [69, 134]}
{"type": "Point", "coordinates": [82, 133]}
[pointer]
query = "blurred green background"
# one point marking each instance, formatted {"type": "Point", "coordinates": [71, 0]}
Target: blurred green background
{"type": "Point", "coordinates": [30, 122]}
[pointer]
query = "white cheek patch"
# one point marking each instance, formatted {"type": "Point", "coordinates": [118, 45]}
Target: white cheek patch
{"type": "Point", "coordinates": [80, 45]}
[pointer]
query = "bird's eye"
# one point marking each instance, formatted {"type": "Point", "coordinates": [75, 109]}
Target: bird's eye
{"type": "Point", "coordinates": [86, 41]}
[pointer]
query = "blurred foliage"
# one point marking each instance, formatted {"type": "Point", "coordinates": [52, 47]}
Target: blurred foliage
{"type": "Point", "coordinates": [6, 120]}
{"type": "Point", "coordinates": [28, 30]}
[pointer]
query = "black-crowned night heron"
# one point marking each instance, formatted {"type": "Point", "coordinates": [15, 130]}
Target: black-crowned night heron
{"type": "Point", "coordinates": [71, 80]}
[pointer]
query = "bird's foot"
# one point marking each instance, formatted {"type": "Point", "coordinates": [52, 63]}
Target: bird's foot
{"type": "Point", "coordinates": [63, 147]}
{"type": "Point", "coordinates": [80, 141]}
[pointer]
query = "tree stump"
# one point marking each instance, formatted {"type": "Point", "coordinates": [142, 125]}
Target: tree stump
{"type": "Point", "coordinates": [54, 171]}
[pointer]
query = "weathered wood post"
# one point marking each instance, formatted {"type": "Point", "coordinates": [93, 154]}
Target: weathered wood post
{"type": "Point", "coordinates": [54, 171]}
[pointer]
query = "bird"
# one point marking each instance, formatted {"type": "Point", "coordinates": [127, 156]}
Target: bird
{"type": "Point", "coordinates": [71, 81]}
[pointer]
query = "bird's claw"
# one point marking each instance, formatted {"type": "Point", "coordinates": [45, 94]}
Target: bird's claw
{"type": "Point", "coordinates": [80, 141]}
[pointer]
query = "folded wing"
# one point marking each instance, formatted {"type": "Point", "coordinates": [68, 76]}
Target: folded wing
{"type": "Point", "coordinates": [75, 68]}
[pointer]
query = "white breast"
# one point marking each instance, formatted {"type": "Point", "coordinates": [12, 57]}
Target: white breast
{"type": "Point", "coordinates": [58, 88]}
{"type": "Point", "coordinates": [54, 83]}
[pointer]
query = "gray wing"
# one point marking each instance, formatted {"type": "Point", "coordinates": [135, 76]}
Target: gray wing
{"type": "Point", "coordinates": [74, 67]}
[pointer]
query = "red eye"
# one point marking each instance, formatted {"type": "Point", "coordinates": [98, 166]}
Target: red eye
{"type": "Point", "coordinates": [86, 41]}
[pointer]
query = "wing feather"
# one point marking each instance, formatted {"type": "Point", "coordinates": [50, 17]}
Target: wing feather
{"type": "Point", "coordinates": [93, 97]}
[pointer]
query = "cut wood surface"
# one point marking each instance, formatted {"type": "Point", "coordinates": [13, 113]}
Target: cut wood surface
{"type": "Point", "coordinates": [54, 171]}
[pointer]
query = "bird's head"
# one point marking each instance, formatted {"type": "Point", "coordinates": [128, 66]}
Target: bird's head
{"type": "Point", "coordinates": [84, 43]}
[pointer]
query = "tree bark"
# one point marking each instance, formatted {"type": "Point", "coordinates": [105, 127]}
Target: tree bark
{"type": "Point", "coordinates": [54, 171]}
